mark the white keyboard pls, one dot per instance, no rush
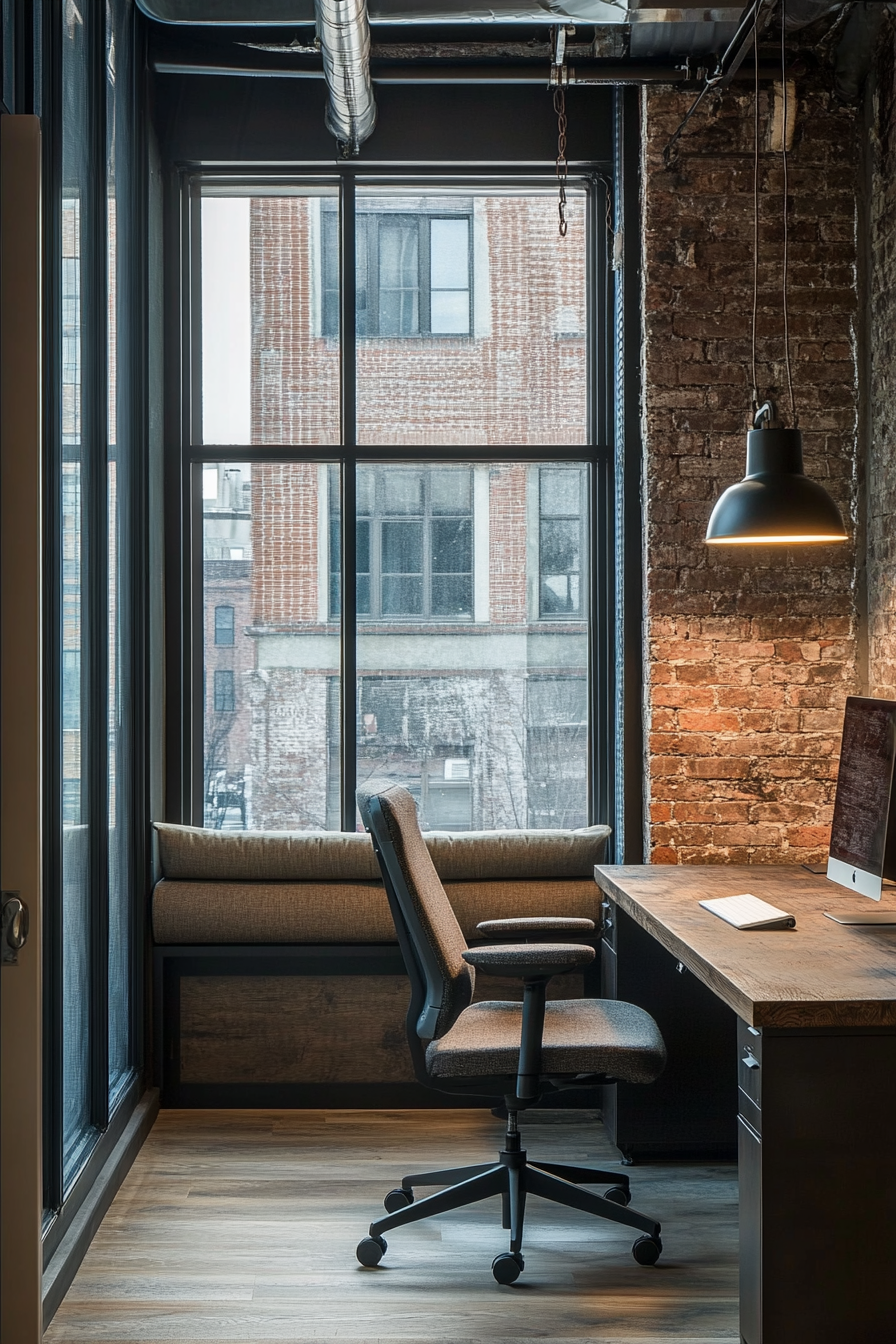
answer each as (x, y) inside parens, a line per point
(748, 912)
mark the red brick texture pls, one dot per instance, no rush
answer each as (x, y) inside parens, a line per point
(285, 543)
(750, 653)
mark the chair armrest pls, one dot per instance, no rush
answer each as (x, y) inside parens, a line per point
(530, 961)
(535, 924)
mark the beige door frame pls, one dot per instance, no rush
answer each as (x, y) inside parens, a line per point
(21, 680)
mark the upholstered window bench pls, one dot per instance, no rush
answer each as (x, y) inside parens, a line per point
(277, 977)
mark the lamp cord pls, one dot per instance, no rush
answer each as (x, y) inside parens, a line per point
(784, 260)
(755, 205)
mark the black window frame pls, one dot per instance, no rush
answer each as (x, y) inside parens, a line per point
(612, 453)
(370, 221)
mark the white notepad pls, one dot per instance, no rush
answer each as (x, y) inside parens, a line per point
(748, 912)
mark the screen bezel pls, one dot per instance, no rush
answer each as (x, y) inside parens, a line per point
(853, 876)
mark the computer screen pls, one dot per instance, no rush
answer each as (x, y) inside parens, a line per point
(860, 856)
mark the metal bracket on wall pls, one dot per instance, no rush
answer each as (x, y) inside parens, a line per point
(13, 928)
(748, 31)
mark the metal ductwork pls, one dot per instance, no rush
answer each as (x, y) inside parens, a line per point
(344, 34)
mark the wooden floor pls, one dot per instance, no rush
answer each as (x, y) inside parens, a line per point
(241, 1226)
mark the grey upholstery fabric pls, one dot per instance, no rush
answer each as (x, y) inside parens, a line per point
(482, 856)
(475, 901)
(432, 907)
(271, 912)
(213, 911)
(498, 928)
(524, 958)
(580, 1036)
(193, 854)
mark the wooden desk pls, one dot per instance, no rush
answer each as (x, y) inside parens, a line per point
(816, 1061)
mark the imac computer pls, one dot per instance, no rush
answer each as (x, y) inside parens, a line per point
(863, 834)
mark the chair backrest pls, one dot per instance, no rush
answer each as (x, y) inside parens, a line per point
(428, 932)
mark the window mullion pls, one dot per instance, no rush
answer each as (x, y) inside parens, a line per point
(348, 317)
(348, 633)
(96, 523)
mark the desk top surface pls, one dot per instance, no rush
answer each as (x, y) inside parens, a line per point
(819, 974)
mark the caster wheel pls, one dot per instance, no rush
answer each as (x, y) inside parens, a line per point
(371, 1251)
(618, 1195)
(647, 1250)
(508, 1267)
(396, 1200)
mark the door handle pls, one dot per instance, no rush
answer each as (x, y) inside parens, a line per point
(750, 1061)
(13, 928)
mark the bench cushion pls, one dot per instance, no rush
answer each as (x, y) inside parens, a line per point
(212, 912)
(193, 854)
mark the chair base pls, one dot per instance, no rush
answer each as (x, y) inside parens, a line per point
(513, 1177)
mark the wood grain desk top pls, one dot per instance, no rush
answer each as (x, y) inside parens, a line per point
(819, 974)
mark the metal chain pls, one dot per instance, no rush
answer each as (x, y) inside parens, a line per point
(562, 168)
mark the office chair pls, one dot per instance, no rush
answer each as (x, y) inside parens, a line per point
(494, 1049)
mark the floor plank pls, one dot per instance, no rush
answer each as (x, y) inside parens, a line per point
(240, 1226)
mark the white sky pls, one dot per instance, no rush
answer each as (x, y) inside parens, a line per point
(226, 320)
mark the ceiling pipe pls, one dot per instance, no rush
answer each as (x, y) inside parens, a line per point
(344, 34)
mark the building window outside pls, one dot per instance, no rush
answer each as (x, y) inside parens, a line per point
(224, 624)
(225, 697)
(556, 751)
(561, 541)
(414, 543)
(414, 273)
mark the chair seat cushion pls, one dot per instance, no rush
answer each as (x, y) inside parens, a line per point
(580, 1036)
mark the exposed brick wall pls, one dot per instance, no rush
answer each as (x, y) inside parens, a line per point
(881, 471)
(749, 653)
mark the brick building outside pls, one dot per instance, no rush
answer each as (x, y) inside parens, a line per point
(472, 601)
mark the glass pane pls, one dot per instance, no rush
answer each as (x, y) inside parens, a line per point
(270, 319)
(449, 254)
(402, 544)
(452, 595)
(482, 713)
(78, 1134)
(504, 301)
(560, 492)
(401, 491)
(271, 554)
(450, 490)
(452, 546)
(450, 311)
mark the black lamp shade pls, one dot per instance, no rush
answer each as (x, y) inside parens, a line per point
(775, 503)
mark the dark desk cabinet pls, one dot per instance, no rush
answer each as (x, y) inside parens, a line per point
(817, 1185)
(691, 1111)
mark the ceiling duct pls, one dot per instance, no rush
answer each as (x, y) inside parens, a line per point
(344, 34)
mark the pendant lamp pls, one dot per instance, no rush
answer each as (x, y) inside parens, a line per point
(775, 503)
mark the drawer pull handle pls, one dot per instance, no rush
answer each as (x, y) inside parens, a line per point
(750, 1061)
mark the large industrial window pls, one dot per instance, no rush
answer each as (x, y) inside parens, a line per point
(419, 609)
